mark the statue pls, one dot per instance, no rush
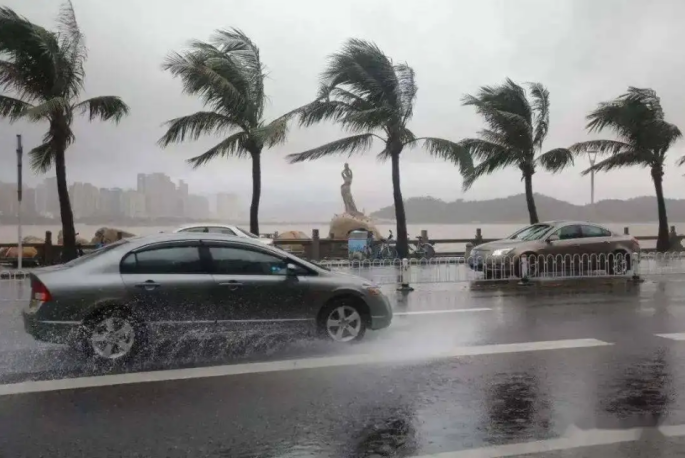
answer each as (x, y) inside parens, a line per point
(346, 191)
(352, 219)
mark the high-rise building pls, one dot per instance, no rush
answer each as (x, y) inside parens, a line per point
(198, 207)
(161, 196)
(47, 201)
(112, 203)
(227, 206)
(85, 199)
(134, 204)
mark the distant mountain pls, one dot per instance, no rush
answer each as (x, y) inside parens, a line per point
(513, 209)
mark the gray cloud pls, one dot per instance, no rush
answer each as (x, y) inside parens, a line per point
(584, 51)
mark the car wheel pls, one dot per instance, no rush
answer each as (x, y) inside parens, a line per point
(343, 321)
(113, 336)
(618, 263)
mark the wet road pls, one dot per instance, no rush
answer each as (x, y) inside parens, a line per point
(459, 374)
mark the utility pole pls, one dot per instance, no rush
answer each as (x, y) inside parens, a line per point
(20, 248)
(592, 155)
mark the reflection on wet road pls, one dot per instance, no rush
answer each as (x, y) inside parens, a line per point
(459, 374)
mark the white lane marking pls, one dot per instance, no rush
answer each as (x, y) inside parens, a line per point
(573, 438)
(673, 336)
(672, 430)
(293, 364)
(436, 312)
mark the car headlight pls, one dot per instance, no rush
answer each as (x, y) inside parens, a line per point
(373, 290)
(502, 251)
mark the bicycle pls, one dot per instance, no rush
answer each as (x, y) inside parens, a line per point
(381, 250)
(422, 250)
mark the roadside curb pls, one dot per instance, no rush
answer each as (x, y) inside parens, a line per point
(579, 285)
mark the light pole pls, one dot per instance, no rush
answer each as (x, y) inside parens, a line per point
(20, 248)
(592, 156)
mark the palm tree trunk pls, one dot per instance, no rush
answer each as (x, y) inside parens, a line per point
(256, 191)
(530, 199)
(67, 216)
(662, 241)
(400, 216)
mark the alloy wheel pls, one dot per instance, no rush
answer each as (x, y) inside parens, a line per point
(344, 324)
(112, 338)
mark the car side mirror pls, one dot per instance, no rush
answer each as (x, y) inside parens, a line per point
(552, 238)
(291, 270)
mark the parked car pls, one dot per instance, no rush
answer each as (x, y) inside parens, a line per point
(108, 300)
(224, 229)
(556, 247)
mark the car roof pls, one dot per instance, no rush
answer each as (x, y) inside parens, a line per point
(173, 236)
(565, 222)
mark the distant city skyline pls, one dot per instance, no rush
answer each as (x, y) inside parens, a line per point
(155, 195)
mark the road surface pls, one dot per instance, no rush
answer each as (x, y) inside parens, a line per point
(459, 374)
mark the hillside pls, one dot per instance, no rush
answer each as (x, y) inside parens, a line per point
(512, 209)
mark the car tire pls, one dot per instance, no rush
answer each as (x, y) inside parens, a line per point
(620, 257)
(343, 321)
(113, 336)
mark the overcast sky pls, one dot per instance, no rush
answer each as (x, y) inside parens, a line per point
(584, 51)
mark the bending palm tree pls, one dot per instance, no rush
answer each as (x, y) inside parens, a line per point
(365, 93)
(637, 119)
(228, 76)
(516, 130)
(44, 71)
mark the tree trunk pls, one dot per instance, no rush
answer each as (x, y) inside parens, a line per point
(67, 216)
(530, 199)
(256, 190)
(400, 216)
(662, 241)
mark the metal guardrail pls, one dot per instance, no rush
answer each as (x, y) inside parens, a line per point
(14, 285)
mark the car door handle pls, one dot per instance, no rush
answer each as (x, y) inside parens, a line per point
(148, 285)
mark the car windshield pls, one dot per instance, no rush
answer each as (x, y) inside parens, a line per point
(248, 233)
(95, 253)
(534, 232)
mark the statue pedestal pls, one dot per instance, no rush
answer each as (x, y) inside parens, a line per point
(342, 225)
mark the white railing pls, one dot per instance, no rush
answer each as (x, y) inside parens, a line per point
(14, 285)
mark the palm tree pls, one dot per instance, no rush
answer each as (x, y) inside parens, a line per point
(228, 76)
(516, 130)
(44, 71)
(644, 137)
(373, 99)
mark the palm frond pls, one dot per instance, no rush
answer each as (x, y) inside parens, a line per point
(540, 96)
(512, 126)
(556, 160)
(233, 146)
(12, 108)
(601, 146)
(41, 158)
(407, 89)
(324, 110)
(104, 107)
(680, 161)
(451, 152)
(73, 52)
(349, 145)
(497, 159)
(194, 126)
(484, 150)
(236, 44)
(628, 158)
(51, 108)
(273, 133)
(215, 79)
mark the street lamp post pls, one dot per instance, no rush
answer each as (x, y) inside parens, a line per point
(20, 248)
(592, 156)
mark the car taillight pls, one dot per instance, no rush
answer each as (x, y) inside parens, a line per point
(40, 292)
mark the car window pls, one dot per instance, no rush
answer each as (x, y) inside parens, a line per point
(239, 261)
(595, 231)
(95, 253)
(534, 232)
(221, 230)
(569, 232)
(195, 229)
(164, 260)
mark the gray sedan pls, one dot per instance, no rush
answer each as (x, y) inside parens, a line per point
(107, 302)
